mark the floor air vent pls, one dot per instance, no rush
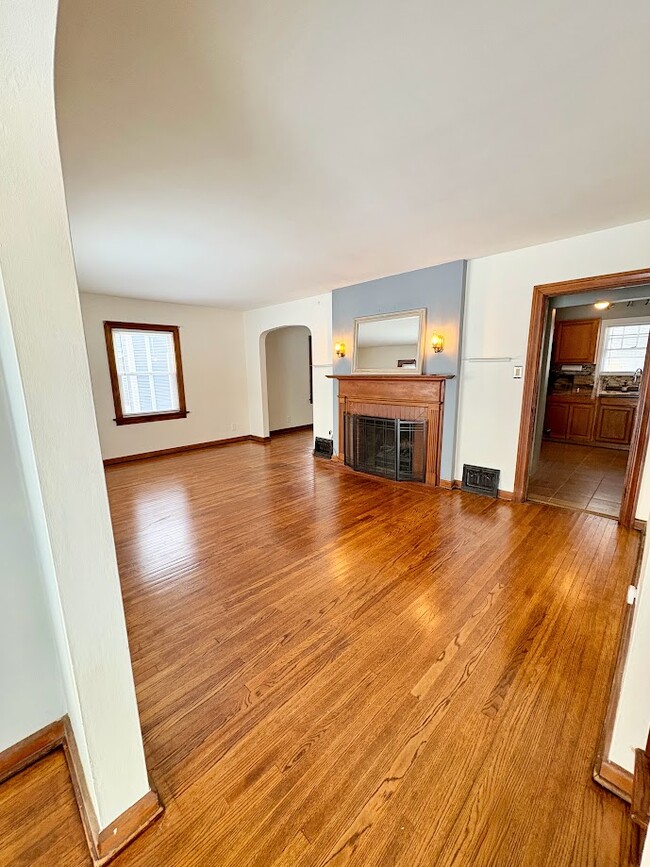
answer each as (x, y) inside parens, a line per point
(480, 480)
(323, 448)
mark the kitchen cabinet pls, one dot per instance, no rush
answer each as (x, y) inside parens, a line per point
(606, 421)
(556, 421)
(581, 422)
(569, 418)
(615, 420)
(575, 341)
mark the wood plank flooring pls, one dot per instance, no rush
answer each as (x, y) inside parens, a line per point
(336, 670)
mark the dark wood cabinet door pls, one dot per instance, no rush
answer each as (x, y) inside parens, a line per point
(614, 423)
(556, 421)
(575, 342)
(581, 422)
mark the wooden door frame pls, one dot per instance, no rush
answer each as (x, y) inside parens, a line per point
(542, 295)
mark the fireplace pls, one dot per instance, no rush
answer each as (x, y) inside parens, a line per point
(391, 425)
(390, 447)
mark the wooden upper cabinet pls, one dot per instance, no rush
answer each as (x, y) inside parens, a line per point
(575, 341)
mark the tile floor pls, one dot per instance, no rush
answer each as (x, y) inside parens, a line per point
(579, 477)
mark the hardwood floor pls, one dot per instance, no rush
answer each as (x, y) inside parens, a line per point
(333, 670)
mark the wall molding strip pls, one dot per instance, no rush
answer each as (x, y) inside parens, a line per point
(104, 844)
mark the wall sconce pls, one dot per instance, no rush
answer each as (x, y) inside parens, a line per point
(339, 348)
(437, 342)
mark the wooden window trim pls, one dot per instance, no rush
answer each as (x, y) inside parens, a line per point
(120, 418)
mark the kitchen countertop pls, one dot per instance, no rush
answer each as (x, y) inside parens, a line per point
(588, 395)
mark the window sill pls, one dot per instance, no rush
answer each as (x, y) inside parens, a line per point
(158, 416)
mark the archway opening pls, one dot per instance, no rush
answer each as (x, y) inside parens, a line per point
(289, 379)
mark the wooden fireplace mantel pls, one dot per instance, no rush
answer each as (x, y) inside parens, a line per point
(396, 396)
(398, 377)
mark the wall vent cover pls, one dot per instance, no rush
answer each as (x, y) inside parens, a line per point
(323, 448)
(480, 480)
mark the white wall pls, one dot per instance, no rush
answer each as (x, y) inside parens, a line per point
(632, 721)
(30, 675)
(316, 314)
(287, 377)
(497, 317)
(214, 374)
(48, 383)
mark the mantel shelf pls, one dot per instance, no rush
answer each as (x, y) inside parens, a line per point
(393, 377)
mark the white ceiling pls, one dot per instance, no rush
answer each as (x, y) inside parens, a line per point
(241, 153)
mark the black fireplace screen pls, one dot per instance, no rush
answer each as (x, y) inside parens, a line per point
(388, 447)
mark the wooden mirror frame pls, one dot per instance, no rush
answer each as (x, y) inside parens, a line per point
(421, 313)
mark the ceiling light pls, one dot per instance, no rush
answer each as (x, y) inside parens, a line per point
(602, 305)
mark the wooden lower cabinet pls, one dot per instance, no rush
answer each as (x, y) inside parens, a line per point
(556, 422)
(615, 421)
(566, 420)
(581, 422)
(605, 421)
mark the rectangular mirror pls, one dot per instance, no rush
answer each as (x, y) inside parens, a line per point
(389, 343)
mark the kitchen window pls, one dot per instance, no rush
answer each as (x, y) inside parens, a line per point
(624, 346)
(146, 372)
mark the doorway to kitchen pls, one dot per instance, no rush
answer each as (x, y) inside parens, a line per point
(584, 424)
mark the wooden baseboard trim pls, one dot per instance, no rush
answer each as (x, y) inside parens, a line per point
(286, 430)
(81, 793)
(177, 450)
(640, 525)
(23, 754)
(607, 773)
(103, 845)
(128, 826)
(614, 778)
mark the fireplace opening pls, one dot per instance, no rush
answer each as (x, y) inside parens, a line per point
(388, 447)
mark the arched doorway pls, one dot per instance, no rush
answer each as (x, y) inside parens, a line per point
(288, 375)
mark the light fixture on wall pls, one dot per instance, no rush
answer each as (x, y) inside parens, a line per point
(437, 342)
(339, 348)
(603, 305)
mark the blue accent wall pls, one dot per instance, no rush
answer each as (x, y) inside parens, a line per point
(441, 290)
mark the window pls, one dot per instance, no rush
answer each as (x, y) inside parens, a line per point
(624, 346)
(146, 371)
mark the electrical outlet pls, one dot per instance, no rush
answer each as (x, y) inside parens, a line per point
(517, 371)
(289, 418)
(233, 426)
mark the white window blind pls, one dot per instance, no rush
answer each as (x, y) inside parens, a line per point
(146, 370)
(624, 347)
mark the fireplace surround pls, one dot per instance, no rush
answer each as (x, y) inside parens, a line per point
(388, 447)
(399, 400)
